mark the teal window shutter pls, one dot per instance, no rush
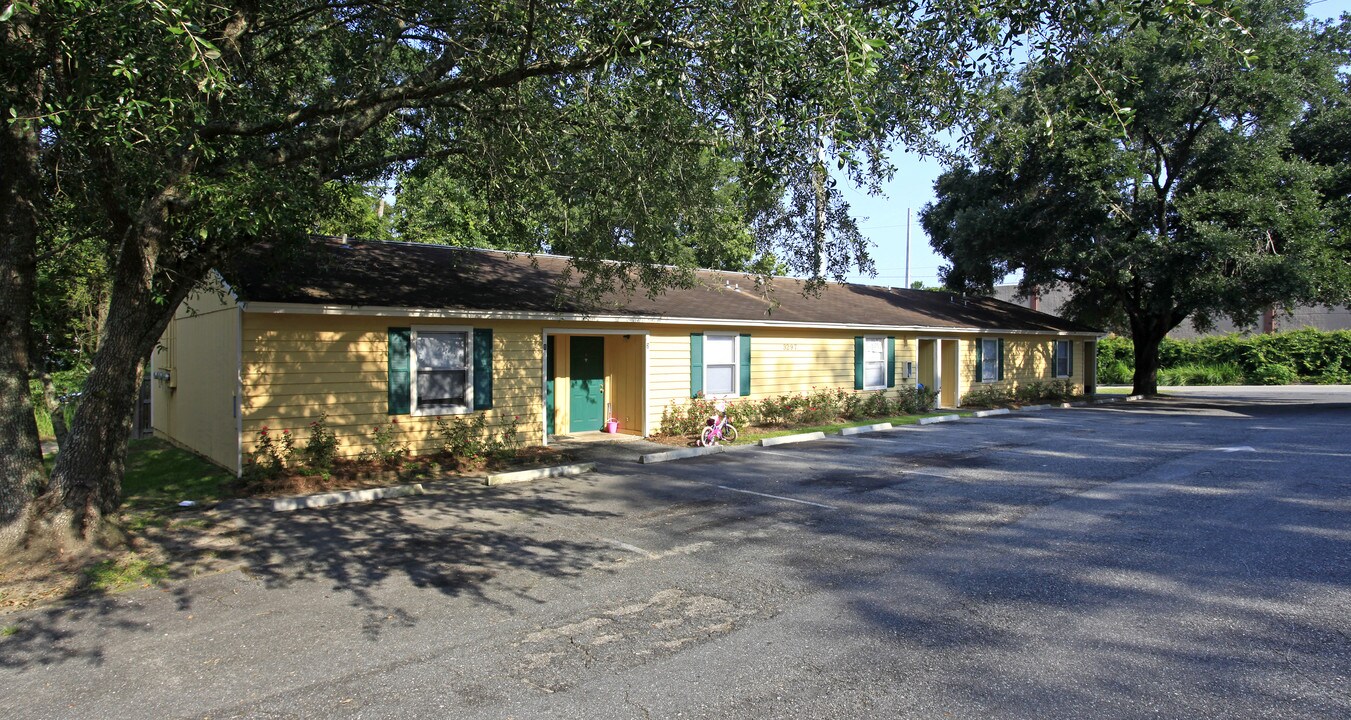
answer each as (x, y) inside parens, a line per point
(858, 362)
(400, 377)
(1001, 358)
(1055, 357)
(483, 369)
(696, 364)
(745, 345)
(980, 360)
(891, 361)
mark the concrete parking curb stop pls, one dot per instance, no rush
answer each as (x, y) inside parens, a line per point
(989, 413)
(304, 502)
(520, 476)
(680, 454)
(938, 419)
(1032, 408)
(786, 439)
(865, 428)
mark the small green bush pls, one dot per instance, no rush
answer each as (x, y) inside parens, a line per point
(915, 400)
(989, 396)
(1274, 375)
(386, 449)
(321, 449)
(271, 453)
(855, 406)
(471, 440)
(874, 405)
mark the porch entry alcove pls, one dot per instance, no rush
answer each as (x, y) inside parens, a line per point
(940, 368)
(591, 376)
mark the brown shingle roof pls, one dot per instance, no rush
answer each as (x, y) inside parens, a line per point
(412, 275)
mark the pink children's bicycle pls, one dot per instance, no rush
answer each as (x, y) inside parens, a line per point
(718, 429)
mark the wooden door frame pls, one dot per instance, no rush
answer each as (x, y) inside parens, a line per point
(544, 369)
(935, 360)
(956, 382)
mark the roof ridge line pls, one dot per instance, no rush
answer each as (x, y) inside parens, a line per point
(531, 253)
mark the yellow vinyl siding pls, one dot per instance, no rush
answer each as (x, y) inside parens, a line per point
(1026, 359)
(668, 371)
(783, 361)
(195, 407)
(299, 366)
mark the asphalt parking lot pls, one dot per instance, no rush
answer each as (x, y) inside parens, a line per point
(1181, 558)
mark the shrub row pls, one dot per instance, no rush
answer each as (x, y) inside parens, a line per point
(1031, 392)
(1298, 356)
(464, 443)
(819, 407)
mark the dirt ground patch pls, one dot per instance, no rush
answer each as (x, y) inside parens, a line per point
(167, 543)
(195, 542)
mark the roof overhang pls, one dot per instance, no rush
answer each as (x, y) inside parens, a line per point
(263, 308)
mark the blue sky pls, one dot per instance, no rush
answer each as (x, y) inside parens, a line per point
(912, 187)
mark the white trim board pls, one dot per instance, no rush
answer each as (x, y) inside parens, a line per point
(403, 312)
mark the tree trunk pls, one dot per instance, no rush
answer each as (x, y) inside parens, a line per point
(1147, 338)
(20, 452)
(20, 209)
(86, 484)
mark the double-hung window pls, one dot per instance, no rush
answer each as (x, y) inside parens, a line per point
(720, 365)
(874, 363)
(442, 363)
(1062, 358)
(989, 359)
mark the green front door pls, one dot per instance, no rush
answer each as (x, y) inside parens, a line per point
(587, 391)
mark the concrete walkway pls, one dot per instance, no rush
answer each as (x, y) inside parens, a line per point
(607, 451)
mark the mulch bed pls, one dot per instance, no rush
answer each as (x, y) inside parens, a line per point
(354, 475)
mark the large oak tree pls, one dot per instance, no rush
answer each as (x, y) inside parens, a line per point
(179, 133)
(1156, 179)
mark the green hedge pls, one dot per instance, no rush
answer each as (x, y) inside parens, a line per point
(1296, 356)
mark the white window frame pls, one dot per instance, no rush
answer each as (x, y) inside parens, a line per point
(867, 339)
(989, 360)
(736, 365)
(1062, 354)
(468, 406)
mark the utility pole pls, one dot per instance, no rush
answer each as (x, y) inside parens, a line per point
(907, 248)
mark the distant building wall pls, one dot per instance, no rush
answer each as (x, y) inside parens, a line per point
(1304, 316)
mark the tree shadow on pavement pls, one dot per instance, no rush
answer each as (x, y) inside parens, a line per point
(451, 542)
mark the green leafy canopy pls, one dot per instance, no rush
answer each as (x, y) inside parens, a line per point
(1156, 178)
